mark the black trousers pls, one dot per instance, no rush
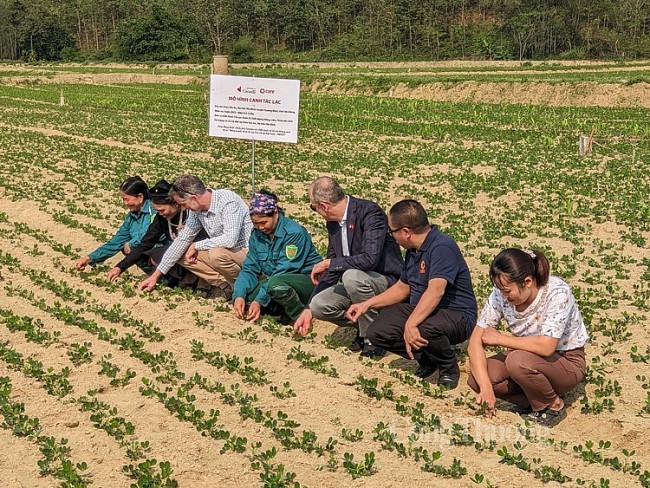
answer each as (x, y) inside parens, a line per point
(443, 328)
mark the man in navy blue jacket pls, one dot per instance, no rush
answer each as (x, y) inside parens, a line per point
(363, 260)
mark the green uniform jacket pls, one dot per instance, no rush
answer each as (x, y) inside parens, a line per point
(291, 251)
(132, 230)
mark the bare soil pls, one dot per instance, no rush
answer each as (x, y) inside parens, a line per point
(581, 94)
(322, 404)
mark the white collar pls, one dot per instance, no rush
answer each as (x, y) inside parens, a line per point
(345, 214)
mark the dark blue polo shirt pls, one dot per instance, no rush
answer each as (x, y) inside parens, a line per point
(440, 257)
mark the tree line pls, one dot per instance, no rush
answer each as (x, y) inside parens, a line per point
(321, 30)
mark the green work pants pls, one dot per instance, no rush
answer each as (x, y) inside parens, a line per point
(289, 292)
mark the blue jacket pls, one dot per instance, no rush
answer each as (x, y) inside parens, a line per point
(132, 230)
(291, 251)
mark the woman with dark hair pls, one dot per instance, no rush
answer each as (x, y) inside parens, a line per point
(135, 196)
(275, 276)
(163, 230)
(544, 356)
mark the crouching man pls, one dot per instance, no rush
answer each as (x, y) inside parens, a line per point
(218, 258)
(441, 306)
(362, 261)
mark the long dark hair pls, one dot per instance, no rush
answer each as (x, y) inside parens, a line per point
(514, 265)
(135, 186)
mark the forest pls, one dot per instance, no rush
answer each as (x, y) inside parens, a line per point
(322, 30)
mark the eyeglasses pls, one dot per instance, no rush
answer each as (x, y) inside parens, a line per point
(314, 208)
(179, 189)
(392, 231)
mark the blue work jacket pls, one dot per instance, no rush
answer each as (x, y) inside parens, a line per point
(290, 251)
(132, 230)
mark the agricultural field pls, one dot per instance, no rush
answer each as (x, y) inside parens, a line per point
(103, 386)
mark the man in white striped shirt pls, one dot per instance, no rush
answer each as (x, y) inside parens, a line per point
(224, 216)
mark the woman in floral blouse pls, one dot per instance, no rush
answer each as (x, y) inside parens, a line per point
(544, 352)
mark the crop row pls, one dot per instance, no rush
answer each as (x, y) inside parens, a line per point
(172, 373)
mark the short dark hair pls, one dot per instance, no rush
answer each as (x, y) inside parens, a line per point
(135, 186)
(515, 265)
(410, 214)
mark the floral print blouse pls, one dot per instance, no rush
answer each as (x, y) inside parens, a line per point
(553, 313)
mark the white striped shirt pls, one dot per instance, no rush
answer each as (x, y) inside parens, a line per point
(226, 222)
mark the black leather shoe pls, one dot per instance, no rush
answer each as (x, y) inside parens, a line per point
(426, 367)
(424, 371)
(357, 344)
(374, 352)
(449, 381)
(546, 417)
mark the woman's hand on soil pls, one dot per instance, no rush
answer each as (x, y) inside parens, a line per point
(254, 310)
(114, 273)
(81, 263)
(239, 305)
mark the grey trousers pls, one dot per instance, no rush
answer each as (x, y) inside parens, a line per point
(355, 286)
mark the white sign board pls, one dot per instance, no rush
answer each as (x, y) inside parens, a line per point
(259, 109)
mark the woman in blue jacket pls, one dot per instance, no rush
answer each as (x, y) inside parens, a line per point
(135, 196)
(275, 277)
(168, 222)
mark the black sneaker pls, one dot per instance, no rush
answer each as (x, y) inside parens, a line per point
(546, 417)
(284, 319)
(357, 344)
(449, 378)
(221, 290)
(370, 351)
(521, 410)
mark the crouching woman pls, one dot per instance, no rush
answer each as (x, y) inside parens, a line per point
(135, 196)
(166, 225)
(275, 277)
(544, 353)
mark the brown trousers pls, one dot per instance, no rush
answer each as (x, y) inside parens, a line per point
(524, 378)
(217, 264)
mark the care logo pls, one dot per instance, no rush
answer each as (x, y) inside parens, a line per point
(291, 251)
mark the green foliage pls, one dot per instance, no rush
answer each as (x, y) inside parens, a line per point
(147, 475)
(80, 353)
(49, 42)
(351, 436)
(169, 30)
(308, 360)
(362, 468)
(158, 36)
(242, 50)
(56, 453)
(370, 140)
(370, 388)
